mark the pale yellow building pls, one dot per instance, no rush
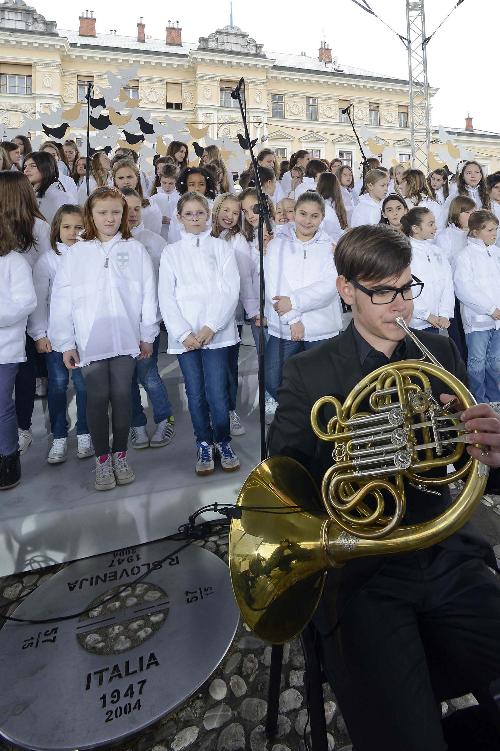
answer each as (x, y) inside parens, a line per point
(294, 101)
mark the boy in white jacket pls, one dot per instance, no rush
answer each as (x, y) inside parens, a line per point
(17, 300)
(368, 209)
(477, 285)
(433, 309)
(198, 293)
(104, 314)
(302, 302)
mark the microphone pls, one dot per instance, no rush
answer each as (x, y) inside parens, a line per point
(235, 94)
(344, 111)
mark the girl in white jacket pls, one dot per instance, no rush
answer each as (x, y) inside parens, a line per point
(146, 371)
(20, 215)
(41, 170)
(302, 302)
(165, 196)
(470, 182)
(198, 294)
(226, 224)
(66, 228)
(433, 309)
(349, 196)
(438, 185)
(393, 209)
(17, 300)
(335, 221)
(493, 182)
(368, 209)
(104, 314)
(415, 191)
(477, 284)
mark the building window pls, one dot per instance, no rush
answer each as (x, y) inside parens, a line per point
(281, 153)
(278, 106)
(374, 115)
(225, 96)
(311, 108)
(343, 116)
(404, 158)
(174, 96)
(403, 117)
(132, 90)
(82, 87)
(11, 83)
(346, 157)
(315, 153)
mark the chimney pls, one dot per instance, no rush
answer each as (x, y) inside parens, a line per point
(87, 24)
(174, 34)
(141, 30)
(468, 123)
(325, 53)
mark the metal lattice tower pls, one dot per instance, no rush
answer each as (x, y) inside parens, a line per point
(419, 104)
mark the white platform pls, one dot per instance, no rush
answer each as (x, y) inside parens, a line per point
(55, 515)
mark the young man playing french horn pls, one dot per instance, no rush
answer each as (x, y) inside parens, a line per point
(398, 633)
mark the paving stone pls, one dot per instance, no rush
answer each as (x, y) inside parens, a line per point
(330, 709)
(258, 739)
(232, 738)
(296, 678)
(13, 591)
(250, 666)
(249, 642)
(237, 685)
(233, 663)
(217, 716)
(280, 747)
(300, 722)
(253, 710)
(217, 689)
(185, 738)
(284, 726)
(463, 702)
(331, 741)
(290, 699)
(266, 657)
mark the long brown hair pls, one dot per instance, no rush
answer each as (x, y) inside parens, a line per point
(172, 150)
(479, 219)
(328, 186)
(247, 230)
(446, 187)
(55, 226)
(19, 211)
(482, 187)
(269, 152)
(99, 174)
(103, 194)
(58, 147)
(129, 164)
(457, 206)
(417, 189)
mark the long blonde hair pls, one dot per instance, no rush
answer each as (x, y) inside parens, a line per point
(216, 208)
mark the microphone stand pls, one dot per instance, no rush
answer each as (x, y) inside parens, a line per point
(264, 219)
(364, 161)
(88, 97)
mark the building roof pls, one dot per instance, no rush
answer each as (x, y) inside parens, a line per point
(119, 41)
(308, 63)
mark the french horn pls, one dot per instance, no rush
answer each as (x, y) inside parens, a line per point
(281, 546)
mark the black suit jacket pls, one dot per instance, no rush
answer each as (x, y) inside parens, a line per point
(334, 369)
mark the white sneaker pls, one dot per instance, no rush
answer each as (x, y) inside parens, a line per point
(25, 439)
(41, 387)
(236, 428)
(85, 446)
(58, 451)
(139, 437)
(164, 433)
(270, 409)
(205, 464)
(104, 475)
(123, 473)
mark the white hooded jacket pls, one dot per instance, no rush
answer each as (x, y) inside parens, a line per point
(44, 273)
(305, 272)
(366, 211)
(17, 300)
(199, 286)
(41, 233)
(452, 240)
(104, 300)
(477, 285)
(437, 297)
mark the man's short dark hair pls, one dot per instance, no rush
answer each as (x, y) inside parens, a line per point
(372, 253)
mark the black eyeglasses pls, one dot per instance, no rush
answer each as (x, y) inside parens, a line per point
(385, 295)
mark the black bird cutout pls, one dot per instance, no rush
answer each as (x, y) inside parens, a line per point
(132, 138)
(198, 150)
(57, 132)
(144, 126)
(244, 142)
(100, 123)
(100, 102)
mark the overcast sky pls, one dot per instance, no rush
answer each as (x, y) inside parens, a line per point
(461, 55)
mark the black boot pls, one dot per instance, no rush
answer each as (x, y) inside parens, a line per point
(10, 471)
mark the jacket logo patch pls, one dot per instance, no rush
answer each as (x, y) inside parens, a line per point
(122, 259)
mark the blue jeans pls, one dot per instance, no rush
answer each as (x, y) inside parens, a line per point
(483, 364)
(8, 422)
(58, 375)
(205, 379)
(232, 372)
(277, 351)
(146, 373)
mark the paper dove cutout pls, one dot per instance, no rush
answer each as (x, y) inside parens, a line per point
(58, 133)
(145, 126)
(127, 101)
(117, 119)
(434, 162)
(198, 132)
(73, 112)
(125, 145)
(161, 147)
